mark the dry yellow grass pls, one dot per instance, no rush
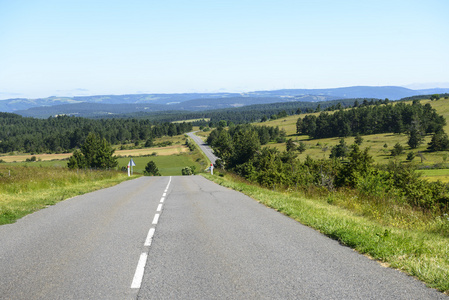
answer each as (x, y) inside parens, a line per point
(192, 120)
(43, 157)
(170, 150)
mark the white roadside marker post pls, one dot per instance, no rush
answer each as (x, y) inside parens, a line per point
(131, 164)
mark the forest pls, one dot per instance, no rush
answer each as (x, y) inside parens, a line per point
(64, 133)
(363, 120)
(250, 113)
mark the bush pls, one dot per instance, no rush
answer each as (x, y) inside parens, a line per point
(398, 149)
(151, 169)
(149, 142)
(410, 156)
(186, 171)
(190, 144)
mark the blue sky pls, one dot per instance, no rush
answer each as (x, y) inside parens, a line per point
(79, 47)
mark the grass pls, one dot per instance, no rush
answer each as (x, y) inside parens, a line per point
(289, 123)
(170, 160)
(442, 108)
(167, 165)
(41, 157)
(24, 190)
(192, 120)
(320, 148)
(419, 253)
(170, 150)
(436, 174)
(59, 160)
(26, 187)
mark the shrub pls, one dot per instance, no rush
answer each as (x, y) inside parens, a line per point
(151, 169)
(187, 171)
(410, 156)
(398, 149)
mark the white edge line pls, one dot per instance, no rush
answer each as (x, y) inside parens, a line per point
(149, 237)
(155, 219)
(138, 276)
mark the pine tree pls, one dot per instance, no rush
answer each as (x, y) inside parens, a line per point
(340, 150)
(96, 153)
(415, 135)
(439, 142)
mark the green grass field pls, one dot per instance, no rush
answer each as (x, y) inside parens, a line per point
(436, 174)
(168, 165)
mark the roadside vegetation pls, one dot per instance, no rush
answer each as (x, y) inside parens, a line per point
(364, 188)
(33, 184)
(376, 202)
(413, 246)
(24, 190)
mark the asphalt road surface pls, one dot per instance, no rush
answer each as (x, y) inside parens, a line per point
(183, 238)
(203, 146)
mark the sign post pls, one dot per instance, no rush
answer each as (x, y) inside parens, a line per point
(211, 169)
(131, 164)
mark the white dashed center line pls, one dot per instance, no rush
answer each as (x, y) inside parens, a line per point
(156, 219)
(149, 237)
(138, 275)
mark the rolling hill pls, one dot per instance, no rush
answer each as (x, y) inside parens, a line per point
(102, 105)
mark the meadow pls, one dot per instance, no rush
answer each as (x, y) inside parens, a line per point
(168, 165)
(380, 145)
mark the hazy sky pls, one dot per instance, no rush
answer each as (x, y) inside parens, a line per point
(85, 47)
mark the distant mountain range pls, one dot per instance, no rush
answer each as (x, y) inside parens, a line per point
(89, 106)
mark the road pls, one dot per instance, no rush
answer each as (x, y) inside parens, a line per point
(86, 247)
(203, 146)
(183, 238)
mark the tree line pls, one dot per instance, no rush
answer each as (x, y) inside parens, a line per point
(249, 113)
(397, 118)
(65, 133)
